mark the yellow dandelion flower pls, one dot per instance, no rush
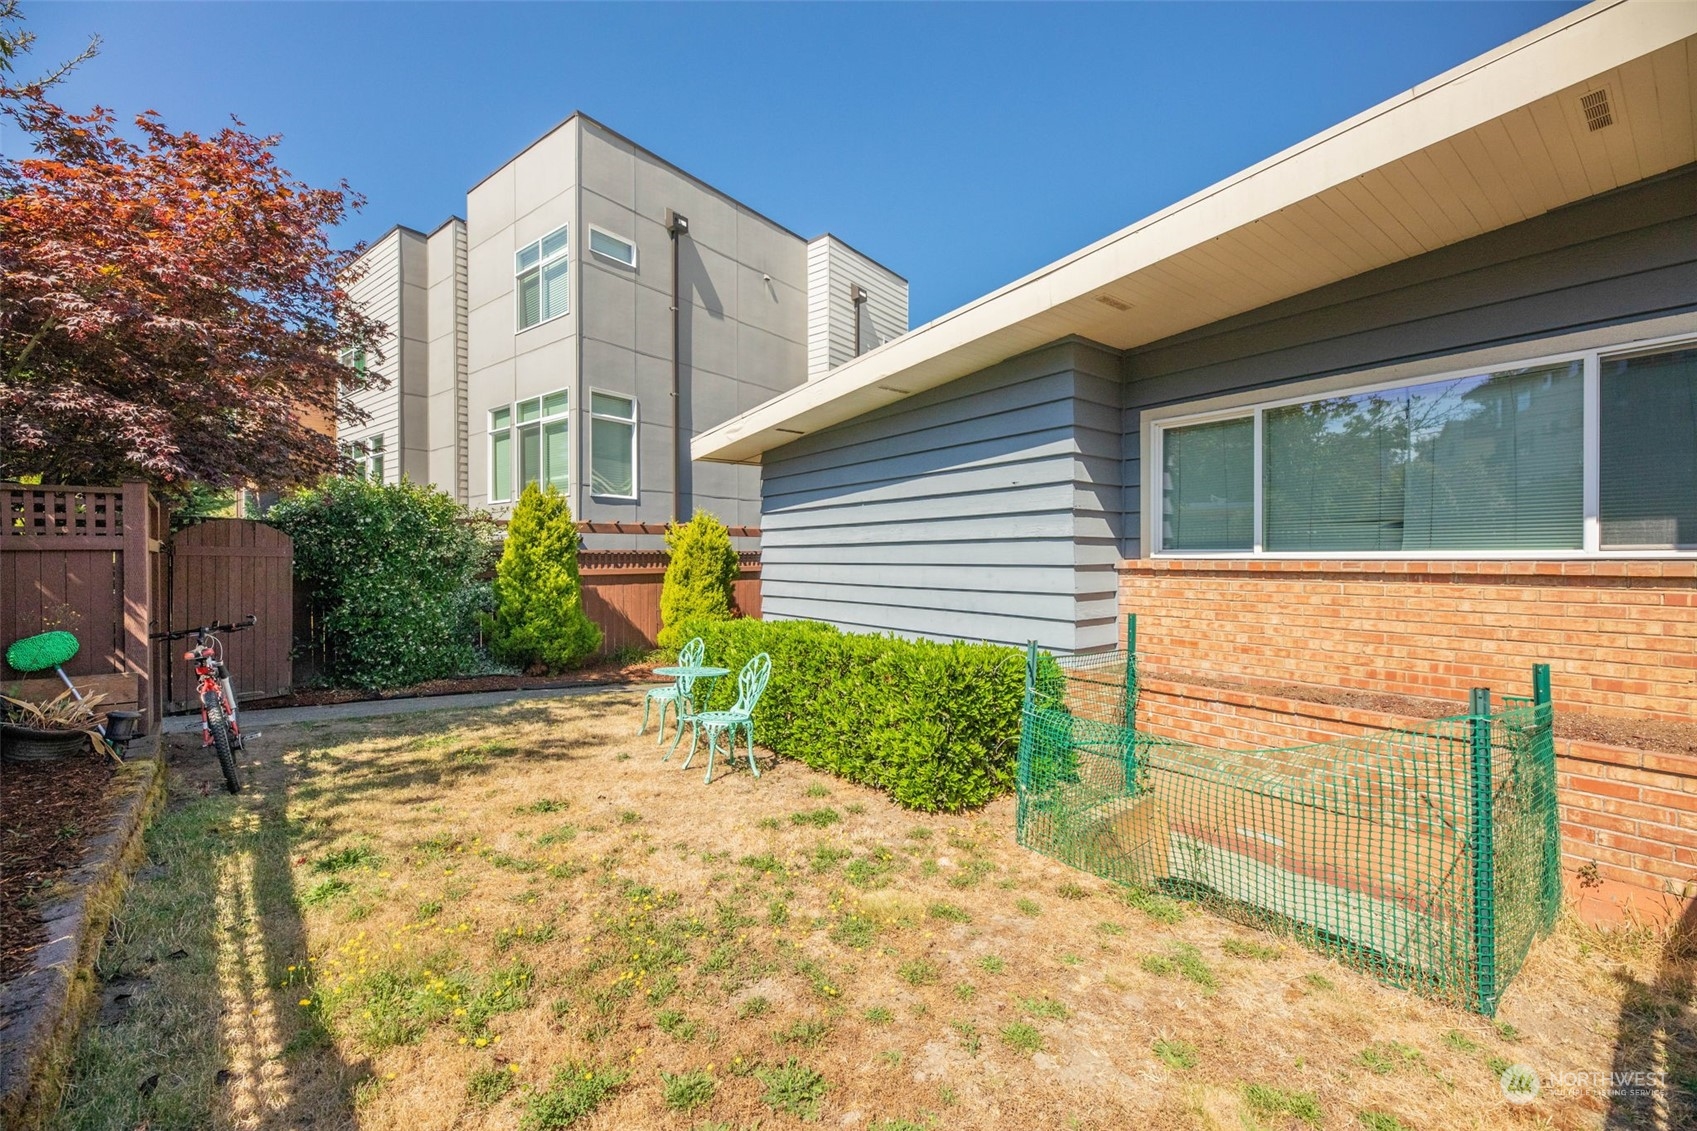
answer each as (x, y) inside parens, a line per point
(306, 1001)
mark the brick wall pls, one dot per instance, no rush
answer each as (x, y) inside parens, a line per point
(1620, 637)
(1628, 817)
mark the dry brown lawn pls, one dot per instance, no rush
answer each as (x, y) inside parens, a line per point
(522, 917)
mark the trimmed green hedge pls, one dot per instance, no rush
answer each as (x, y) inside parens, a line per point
(935, 726)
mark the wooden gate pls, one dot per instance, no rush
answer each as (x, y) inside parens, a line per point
(222, 570)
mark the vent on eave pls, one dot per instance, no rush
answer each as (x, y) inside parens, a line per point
(1596, 108)
(1110, 300)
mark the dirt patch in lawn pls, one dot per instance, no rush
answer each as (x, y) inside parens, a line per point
(597, 673)
(47, 812)
(1660, 735)
(522, 917)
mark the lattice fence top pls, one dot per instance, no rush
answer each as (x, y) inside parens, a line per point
(88, 512)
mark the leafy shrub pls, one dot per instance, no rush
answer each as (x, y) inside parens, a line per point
(539, 619)
(388, 567)
(700, 579)
(934, 725)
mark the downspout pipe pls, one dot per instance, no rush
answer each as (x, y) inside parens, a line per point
(677, 227)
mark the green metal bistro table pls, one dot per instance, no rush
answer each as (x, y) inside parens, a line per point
(681, 673)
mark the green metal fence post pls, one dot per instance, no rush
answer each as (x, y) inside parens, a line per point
(1544, 718)
(1484, 856)
(1131, 669)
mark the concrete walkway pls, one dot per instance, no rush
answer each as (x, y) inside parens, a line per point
(371, 708)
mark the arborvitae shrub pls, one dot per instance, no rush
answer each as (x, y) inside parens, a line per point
(539, 620)
(934, 725)
(388, 570)
(700, 577)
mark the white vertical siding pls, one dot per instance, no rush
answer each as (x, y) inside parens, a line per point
(377, 292)
(833, 268)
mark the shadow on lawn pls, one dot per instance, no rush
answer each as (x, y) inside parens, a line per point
(1653, 1081)
(198, 1025)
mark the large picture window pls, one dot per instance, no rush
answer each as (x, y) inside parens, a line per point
(1486, 462)
(612, 441)
(542, 272)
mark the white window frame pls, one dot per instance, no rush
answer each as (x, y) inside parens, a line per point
(365, 456)
(1156, 422)
(489, 433)
(515, 430)
(635, 422)
(539, 267)
(595, 229)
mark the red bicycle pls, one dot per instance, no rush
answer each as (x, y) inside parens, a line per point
(218, 726)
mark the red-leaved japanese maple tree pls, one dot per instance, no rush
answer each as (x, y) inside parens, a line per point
(171, 308)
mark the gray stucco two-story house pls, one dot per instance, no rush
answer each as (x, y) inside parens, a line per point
(535, 340)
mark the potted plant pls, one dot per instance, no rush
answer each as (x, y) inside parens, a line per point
(39, 732)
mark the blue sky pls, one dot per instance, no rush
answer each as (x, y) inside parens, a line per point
(961, 144)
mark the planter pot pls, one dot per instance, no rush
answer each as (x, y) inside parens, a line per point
(26, 744)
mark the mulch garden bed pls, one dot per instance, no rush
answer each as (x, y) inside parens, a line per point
(594, 674)
(1659, 735)
(48, 810)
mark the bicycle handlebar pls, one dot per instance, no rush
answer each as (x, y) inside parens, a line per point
(246, 622)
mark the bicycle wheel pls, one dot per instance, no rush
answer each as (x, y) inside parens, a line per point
(220, 728)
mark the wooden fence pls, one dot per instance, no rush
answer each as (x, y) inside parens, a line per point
(101, 563)
(621, 593)
(85, 560)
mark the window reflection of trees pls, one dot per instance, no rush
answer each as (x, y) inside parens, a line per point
(1480, 462)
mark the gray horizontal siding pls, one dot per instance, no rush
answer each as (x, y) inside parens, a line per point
(1621, 257)
(985, 509)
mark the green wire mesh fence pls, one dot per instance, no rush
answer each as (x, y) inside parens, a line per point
(1426, 856)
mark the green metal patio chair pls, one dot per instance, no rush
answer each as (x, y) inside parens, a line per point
(751, 683)
(691, 655)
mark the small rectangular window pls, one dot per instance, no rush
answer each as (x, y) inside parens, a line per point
(556, 464)
(1648, 426)
(542, 269)
(530, 410)
(500, 456)
(1208, 486)
(612, 442)
(530, 455)
(609, 246)
(367, 456)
